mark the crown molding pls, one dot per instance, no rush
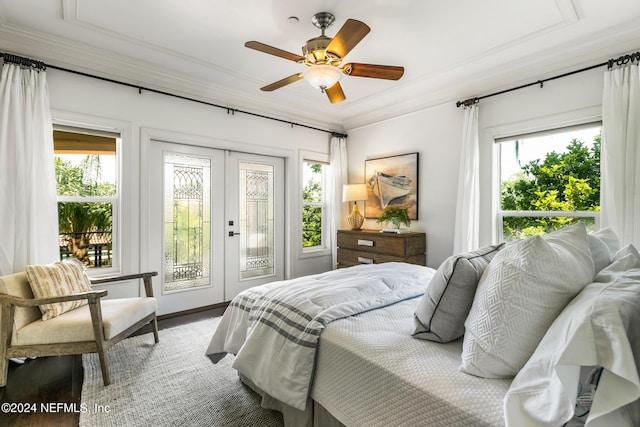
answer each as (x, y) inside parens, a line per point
(77, 57)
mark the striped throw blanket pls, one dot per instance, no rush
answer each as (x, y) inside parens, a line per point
(274, 329)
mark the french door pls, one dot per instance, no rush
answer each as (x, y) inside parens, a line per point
(216, 222)
(255, 221)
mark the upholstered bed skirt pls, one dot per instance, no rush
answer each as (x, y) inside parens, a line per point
(314, 416)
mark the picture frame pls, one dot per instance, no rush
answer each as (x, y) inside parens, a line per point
(391, 181)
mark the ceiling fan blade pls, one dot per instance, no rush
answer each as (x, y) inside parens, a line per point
(388, 72)
(335, 93)
(281, 83)
(349, 35)
(274, 51)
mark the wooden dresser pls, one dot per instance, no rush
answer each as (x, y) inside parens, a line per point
(374, 247)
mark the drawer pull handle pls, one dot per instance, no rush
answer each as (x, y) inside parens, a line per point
(365, 242)
(363, 260)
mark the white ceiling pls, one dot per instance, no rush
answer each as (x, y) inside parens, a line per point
(451, 49)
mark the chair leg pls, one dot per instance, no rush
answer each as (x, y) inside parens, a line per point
(154, 326)
(6, 321)
(4, 370)
(95, 309)
(102, 355)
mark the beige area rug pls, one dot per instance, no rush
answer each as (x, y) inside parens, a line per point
(171, 383)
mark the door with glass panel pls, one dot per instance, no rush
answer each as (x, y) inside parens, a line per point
(255, 221)
(203, 244)
(186, 226)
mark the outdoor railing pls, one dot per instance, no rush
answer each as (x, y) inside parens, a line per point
(98, 252)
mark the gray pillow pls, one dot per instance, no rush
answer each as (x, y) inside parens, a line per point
(441, 312)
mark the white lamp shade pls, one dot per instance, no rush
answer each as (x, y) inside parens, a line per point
(322, 76)
(354, 192)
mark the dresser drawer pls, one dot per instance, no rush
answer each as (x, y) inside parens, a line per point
(349, 257)
(398, 245)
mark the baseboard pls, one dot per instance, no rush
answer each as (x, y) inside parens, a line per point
(193, 310)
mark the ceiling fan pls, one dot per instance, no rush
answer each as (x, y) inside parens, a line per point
(323, 57)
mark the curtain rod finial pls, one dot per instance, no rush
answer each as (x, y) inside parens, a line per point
(468, 102)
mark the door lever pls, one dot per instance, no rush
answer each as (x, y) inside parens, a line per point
(233, 233)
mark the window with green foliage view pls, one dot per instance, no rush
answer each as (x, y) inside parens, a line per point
(312, 204)
(549, 179)
(85, 167)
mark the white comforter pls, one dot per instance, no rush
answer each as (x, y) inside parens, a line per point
(274, 329)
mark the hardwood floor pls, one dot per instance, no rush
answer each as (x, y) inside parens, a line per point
(46, 391)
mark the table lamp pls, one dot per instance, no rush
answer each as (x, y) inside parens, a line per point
(353, 193)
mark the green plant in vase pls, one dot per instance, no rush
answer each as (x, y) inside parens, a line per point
(395, 216)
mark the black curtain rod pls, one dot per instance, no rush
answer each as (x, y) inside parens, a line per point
(610, 63)
(42, 66)
(24, 62)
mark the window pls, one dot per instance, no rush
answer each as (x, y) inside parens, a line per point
(313, 205)
(547, 180)
(86, 177)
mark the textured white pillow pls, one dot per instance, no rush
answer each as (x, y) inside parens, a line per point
(521, 292)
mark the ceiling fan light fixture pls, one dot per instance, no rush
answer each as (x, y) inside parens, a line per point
(322, 76)
(315, 57)
(315, 51)
(323, 57)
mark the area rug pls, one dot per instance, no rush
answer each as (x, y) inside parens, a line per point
(171, 383)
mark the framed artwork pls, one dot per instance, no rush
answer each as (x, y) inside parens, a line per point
(391, 181)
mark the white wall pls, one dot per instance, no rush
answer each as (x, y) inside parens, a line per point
(98, 102)
(436, 134)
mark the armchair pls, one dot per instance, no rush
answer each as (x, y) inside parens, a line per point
(91, 328)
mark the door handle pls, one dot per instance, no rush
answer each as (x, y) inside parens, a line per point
(233, 233)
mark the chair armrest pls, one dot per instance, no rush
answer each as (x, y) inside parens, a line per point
(146, 278)
(92, 296)
(122, 278)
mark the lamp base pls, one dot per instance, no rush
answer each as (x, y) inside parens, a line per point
(356, 219)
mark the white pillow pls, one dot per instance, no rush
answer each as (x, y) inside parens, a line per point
(521, 292)
(597, 328)
(604, 244)
(627, 251)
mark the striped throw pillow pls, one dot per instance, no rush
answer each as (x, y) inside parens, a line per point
(58, 279)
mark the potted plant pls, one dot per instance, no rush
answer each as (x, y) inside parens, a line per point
(396, 216)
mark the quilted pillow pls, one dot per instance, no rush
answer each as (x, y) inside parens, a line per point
(58, 279)
(522, 291)
(441, 312)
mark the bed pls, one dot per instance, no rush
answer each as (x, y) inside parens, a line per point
(360, 364)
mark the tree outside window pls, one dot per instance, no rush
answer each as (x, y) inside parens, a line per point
(87, 195)
(312, 204)
(556, 182)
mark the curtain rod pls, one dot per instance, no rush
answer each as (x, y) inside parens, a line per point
(42, 66)
(624, 59)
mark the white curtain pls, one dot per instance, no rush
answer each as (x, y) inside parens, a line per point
(337, 178)
(28, 208)
(620, 153)
(467, 221)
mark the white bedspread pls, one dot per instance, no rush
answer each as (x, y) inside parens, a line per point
(372, 373)
(274, 329)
